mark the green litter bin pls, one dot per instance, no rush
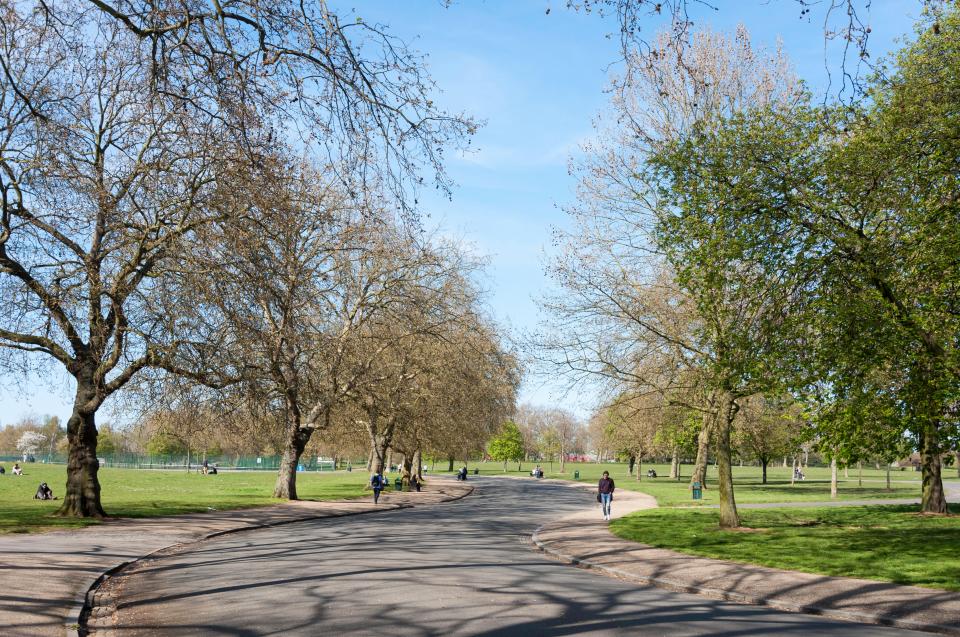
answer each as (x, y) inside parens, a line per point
(576, 475)
(697, 491)
(398, 484)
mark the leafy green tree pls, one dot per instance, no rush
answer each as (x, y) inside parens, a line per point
(507, 445)
(860, 205)
(767, 428)
(165, 444)
(108, 442)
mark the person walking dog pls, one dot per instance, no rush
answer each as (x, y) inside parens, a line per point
(605, 490)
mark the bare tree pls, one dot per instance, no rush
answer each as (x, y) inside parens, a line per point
(635, 312)
(356, 96)
(101, 187)
(437, 305)
(844, 25)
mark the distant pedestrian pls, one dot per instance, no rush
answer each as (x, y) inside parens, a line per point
(605, 490)
(376, 482)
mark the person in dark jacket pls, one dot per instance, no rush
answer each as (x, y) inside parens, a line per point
(376, 482)
(605, 488)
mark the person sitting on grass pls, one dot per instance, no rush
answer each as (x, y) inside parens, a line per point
(17, 471)
(44, 492)
(2, 470)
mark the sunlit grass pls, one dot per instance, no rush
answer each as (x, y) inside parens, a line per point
(747, 482)
(145, 493)
(887, 543)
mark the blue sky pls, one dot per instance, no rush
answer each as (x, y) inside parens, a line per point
(537, 80)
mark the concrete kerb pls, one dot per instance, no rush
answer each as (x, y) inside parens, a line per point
(721, 594)
(84, 602)
(730, 596)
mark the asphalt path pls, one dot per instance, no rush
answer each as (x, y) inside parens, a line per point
(460, 568)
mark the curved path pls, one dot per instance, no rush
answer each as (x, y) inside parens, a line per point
(463, 568)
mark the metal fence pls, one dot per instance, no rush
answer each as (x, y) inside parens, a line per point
(182, 461)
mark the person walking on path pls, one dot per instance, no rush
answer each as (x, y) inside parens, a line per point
(605, 491)
(376, 481)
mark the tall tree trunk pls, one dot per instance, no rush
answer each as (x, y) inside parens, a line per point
(793, 471)
(675, 463)
(380, 444)
(563, 461)
(380, 432)
(187, 463)
(956, 461)
(406, 470)
(763, 462)
(286, 486)
(860, 473)
(418, 465)
(833, 477)
(633, 463)
(933, 499)
(729, 517)
(450, 465)
(389, 460)
(82, 495)
(370, 457)
(703, 441)
(639, 465)
(889, 488)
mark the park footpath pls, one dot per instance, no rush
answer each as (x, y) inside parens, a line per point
(48, 577)
(584, 539)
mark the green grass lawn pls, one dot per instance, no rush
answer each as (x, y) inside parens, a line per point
(145, 493)
(887, 543)
(747, 482)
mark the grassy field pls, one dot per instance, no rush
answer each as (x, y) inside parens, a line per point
(142, 493)
(747, 482)
(887, 543)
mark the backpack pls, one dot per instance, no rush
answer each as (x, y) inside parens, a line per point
(375, 481)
